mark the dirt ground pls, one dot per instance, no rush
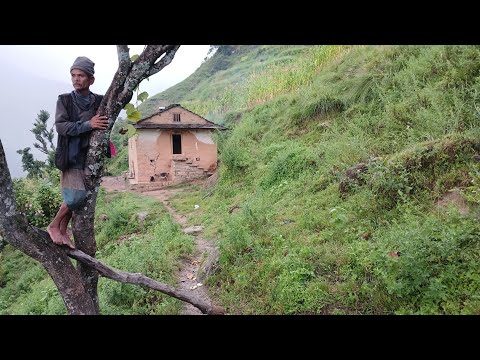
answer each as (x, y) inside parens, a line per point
(187, 275)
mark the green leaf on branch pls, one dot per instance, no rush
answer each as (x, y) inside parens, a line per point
(134, 57)
(134, 116)
(129, 108)
(143, 96)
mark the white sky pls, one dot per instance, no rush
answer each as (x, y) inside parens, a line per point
(53, 62)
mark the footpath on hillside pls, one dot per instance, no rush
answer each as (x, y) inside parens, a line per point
(190, 277)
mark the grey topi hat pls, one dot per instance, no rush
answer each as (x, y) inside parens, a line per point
(85, 64)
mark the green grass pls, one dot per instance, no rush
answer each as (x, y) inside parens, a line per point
(291, 242)
(230, 68)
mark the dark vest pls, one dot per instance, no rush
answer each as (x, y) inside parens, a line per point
(68, 153)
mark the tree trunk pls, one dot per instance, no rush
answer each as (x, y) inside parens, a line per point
(38, 245)
(126, 79)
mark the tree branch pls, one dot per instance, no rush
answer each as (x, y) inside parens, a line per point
(123, 54)
(142, 280)
(167, 59)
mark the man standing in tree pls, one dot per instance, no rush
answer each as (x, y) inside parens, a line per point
(75, 118)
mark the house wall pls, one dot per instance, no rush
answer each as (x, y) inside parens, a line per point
(151, 154)
(132, 160)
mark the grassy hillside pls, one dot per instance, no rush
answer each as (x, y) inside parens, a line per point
(349, 183)
(355, 190)
(214, 87)
(228, 69)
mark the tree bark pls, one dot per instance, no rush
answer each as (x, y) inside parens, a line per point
(142, 280)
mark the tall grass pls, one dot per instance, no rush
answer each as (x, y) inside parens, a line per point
(250, 76)
(269, 82)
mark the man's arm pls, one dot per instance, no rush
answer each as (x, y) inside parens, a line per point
(66, 127)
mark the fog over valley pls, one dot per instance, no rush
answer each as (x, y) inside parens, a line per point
(22, 97)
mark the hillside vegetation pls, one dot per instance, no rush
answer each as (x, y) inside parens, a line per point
(354, 190)
(224, 81)
(349, 183)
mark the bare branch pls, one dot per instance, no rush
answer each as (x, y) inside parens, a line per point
(142, 280)
(167, 59)
(142, 67)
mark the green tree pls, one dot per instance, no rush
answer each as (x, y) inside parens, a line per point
(32, 167)
(44, 136)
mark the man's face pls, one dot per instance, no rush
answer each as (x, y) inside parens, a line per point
(81, 80)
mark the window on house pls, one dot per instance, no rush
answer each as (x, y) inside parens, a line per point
(177, 144)
(176, 117)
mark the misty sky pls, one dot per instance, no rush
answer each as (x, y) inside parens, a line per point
(34, 75)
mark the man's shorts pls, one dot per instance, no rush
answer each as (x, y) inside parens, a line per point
(72, 182)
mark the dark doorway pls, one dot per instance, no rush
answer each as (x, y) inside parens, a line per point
(177, 144)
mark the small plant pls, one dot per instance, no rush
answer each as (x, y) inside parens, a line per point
(338, 215)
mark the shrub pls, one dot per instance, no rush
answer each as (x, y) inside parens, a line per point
(38, 199)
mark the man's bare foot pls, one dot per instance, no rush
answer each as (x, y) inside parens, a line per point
(55, 235)
(67, 241)
(59, 238)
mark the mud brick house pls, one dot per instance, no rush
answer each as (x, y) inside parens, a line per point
(172, 146)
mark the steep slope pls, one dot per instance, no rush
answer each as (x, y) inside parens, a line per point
(349, 182)
(356, 191)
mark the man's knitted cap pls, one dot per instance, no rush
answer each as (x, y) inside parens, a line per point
(85, 64)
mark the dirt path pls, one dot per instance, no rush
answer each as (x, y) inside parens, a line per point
(188, 275)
